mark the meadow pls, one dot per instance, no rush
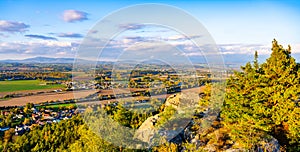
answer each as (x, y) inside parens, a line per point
(20, 85)
(57, 106)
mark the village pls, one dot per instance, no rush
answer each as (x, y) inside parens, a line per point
(26, 118)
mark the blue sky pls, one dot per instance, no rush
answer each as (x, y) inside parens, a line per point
(56, 28)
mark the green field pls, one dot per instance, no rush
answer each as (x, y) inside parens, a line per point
(19, 85)
(59, 105)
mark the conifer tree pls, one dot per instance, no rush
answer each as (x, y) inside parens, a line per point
(261, 101)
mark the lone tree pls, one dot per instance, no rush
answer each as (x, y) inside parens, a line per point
(262, 101)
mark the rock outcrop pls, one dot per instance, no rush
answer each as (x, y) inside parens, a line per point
(174, 129)
(147, 130)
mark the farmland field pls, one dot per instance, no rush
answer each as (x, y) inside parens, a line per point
(59, 105)
(18, 85)
(40, 98)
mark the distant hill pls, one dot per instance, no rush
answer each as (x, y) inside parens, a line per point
(231, 60)
(44, 60)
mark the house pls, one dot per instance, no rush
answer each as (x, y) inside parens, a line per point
(6, 113)
(41, 123)
(46, 115)
(59, 90)
(48, 110)
(35, 116)
(19, 116)
(19, 130)
(56, 120)
(48, 118)
(34, 110)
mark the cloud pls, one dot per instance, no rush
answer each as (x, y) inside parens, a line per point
(153, 46)
(244, 48)
(12, 26)
(3, 35)
(181, 37)
(133, 39)
(41, 37)
(193, 54)
(39, 48)
(74, 16)
(93, 31)
(227, 49)
(70, 35)
(132, 26)
(134, 43)
(176, 37)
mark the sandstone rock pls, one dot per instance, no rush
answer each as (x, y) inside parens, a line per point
(147, 130)
(175, 130)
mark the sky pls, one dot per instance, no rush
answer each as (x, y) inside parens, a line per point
(57, 28)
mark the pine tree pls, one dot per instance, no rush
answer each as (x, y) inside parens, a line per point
(260, 100)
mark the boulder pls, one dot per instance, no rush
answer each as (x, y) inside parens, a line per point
(147, 130)
(174, 131)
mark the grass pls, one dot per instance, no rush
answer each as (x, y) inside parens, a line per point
(77, 74)
(143, 107)
(59, 105)
(20, 85)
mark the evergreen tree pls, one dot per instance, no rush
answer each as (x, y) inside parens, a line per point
(261, 100)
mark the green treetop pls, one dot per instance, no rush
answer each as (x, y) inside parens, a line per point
(261, 100)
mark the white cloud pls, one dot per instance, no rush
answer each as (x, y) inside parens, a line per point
(177, 37)
(3, 35)
(132, 26)
(181, 37)
(61, 53)
(189, 48)
(12, 26)
(37, 48)
(154, 46)
(295, 48)
(74, 15)
(245, 49)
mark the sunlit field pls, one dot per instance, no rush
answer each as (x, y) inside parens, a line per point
(19, 85)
